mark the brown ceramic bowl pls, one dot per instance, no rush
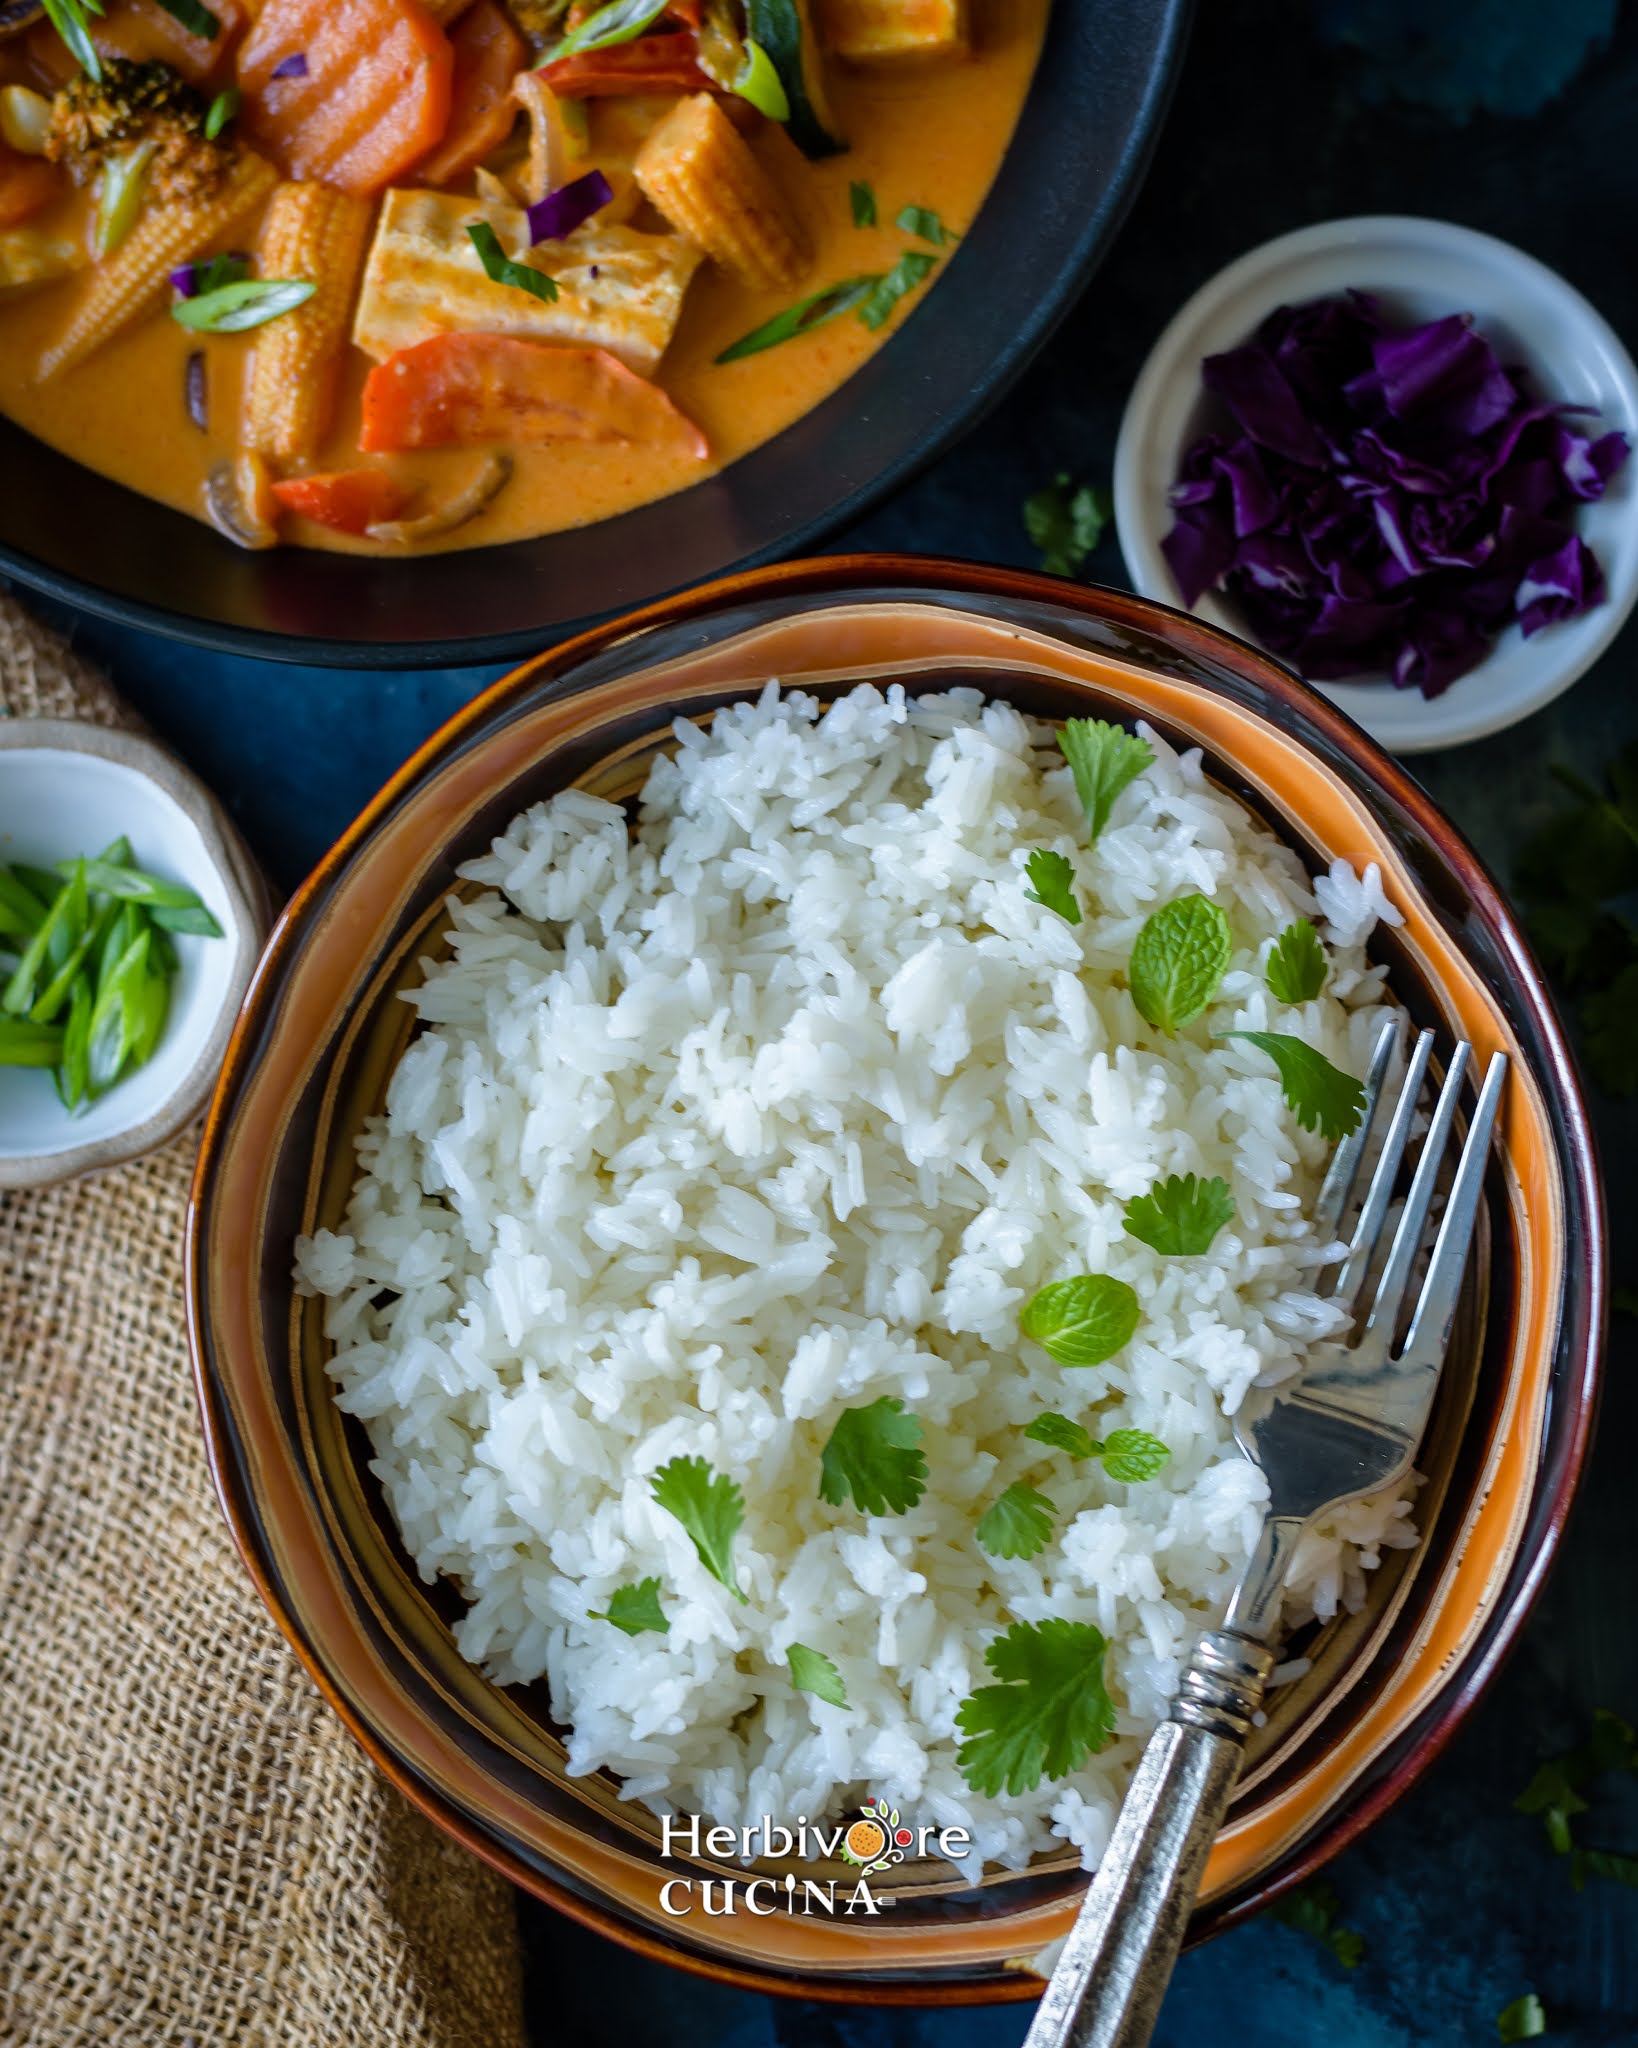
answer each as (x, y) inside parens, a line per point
(321, 1031)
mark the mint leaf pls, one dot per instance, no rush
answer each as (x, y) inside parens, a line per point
(1063, 1435)
(1132, 1455)
(1064, 524)
(636, 1608)
(709, 1507)
(1523, 2020)
(1104, 760)
(1018, 1524)
(1320, 1096)
(1296, 965)
(872, 1455)
(1178, 959)
(1051, 1711)
(1181, 1216)
(812, 1671)
(1054, 880)
(862, 198)
(1081, 1321)
(1312, 1909)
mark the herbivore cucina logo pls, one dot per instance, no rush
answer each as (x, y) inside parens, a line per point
(874, 1841)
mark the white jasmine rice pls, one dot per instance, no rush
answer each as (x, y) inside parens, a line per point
(790, 1099)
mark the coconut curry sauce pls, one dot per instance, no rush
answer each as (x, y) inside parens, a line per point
(487, 411)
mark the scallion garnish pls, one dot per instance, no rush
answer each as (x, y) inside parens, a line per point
(899, 282)
(223, 109)
(209, 274)
(758, 83)
(68, 18)
(196, 18)
(499, 266)
(231, 308)
(621, 21)
(805, 315)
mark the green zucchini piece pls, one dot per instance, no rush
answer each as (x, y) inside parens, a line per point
(784, 28)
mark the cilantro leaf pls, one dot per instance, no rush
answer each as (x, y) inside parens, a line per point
(1181, 1216)
(1312, 1909)
(1321, 1097)
(1054, 880)
(812, 1671)
(709, 1507)
(1557, 1793)
(1066, 525)
(861, 196)
(1018, 1524)
(1296, 966)
(636, 1608)
(1132, 1455)
(1178, 959)
(923, 221)
(1050, 1712)
(1063, 1435)
(1081, 1321)
(1103, 760)
(1585, 1863)
(1523, 2020)
(872, 1454)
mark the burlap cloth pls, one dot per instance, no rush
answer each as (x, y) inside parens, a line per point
(192, 1849)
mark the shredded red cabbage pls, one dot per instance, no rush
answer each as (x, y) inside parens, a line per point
(293, 66)
(568, 208)
(185, 280)
(1389, 499)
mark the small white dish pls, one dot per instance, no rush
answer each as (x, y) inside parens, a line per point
(1420, 269)
(67, 789)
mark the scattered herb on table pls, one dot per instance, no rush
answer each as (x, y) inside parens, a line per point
(1312, 1909)
(1103, 759)
(1181, 1216)
(710, 1507)
(1082, 1321)
(812, 1671)
(912, 269)
(1065, 521)
(873, 1455)
(1320, 1096)
(1049, 1713)
(1524, 2020)
(90, 987)
(1572, 875)
(1559, 1794)
(1018, 1523)
(861, 197)
(1178, 959)
(1296, 968)
(1129, 1455)
(636, 1609)
(1052, 877)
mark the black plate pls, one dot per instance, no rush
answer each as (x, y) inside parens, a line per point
(1072, 170)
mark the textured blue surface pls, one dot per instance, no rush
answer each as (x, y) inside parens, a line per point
(1511, 117)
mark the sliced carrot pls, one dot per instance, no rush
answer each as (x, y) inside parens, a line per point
(499, 387)
(372, 97)
(26, 184)
(347, 499)
(489, 54)
(656, 64)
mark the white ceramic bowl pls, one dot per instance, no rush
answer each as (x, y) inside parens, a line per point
(1420, 269)
(68, 789)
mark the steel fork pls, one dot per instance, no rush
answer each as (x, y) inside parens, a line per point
(1349, 1429)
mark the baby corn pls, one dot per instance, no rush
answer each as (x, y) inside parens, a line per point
(866, 31)
(318, 233)
(130, 282)
(705, 178)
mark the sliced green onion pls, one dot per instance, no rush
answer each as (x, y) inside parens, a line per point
(153, 1007)
(223, 109)
(119, 201)
(67, 17)
(135, 885)
(111, 1032)
(862, 198)
(758, 82)
(73, 1065)
(231, 308)
(621, 21)
(50, 946)
(804, 316)
(903, 278)
(501, 268)
(18, 901)
(26, 1044)
(196, 18)
(58, 989)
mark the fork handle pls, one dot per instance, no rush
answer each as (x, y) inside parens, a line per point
(1109, 1982)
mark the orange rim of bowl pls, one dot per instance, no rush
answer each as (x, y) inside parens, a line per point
(1539, 1431)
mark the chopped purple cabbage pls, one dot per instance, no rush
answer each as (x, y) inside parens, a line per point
(185, 280)
(568, 208)
(1384, 499)
(293, 66)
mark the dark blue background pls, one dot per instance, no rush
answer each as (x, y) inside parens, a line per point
(1510, 115)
